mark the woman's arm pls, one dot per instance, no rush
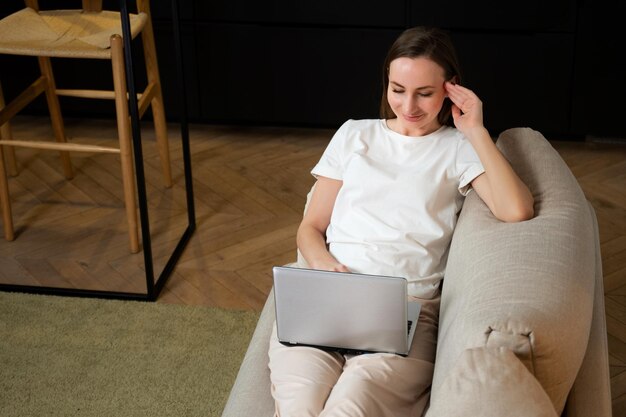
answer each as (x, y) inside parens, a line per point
(501, 189)
(312, 231)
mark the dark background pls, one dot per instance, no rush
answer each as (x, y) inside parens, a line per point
(554, 66)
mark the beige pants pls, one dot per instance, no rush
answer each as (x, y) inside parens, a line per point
(308, 382)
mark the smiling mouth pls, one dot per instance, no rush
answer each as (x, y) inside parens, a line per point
(413, 118)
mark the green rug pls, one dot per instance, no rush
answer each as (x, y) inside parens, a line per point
(88, 357)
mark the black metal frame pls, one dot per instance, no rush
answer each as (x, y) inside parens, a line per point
(153, 288)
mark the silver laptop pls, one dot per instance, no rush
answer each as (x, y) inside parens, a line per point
(347, 312)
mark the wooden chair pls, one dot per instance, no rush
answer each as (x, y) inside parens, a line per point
(87, 33)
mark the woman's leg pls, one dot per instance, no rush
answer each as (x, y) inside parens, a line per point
(380, 385)
(302, 378)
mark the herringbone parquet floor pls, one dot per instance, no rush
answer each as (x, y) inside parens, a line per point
(250, 187)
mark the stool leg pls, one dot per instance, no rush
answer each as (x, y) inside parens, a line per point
(4, 201)
(5, 133)
(123, 128)
(55, 113)
(158, 109)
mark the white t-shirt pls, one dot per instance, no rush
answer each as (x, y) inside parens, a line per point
(397, 208)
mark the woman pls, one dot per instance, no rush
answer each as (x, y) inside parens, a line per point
(386, 201)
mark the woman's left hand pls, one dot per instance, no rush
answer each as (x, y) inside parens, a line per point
(467, 109)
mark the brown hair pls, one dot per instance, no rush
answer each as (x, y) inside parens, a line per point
(431, 43)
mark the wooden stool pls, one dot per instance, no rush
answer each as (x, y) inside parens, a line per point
(90, 33)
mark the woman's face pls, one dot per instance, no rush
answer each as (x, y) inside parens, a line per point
(415, 94)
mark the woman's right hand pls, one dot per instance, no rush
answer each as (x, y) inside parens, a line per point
(331, 265)
(312, 231)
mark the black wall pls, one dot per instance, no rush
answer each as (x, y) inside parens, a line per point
(554, 66)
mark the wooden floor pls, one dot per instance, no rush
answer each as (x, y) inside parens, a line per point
(250, 187)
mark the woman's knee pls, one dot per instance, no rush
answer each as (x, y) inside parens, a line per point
(354, 398)
(299, 402)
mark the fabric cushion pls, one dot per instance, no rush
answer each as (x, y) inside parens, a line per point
(250, 395)
(526, 286)
(491, 383)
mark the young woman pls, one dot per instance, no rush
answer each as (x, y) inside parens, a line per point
(386, 201)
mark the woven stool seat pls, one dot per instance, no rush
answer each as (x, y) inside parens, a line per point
(63, 33)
